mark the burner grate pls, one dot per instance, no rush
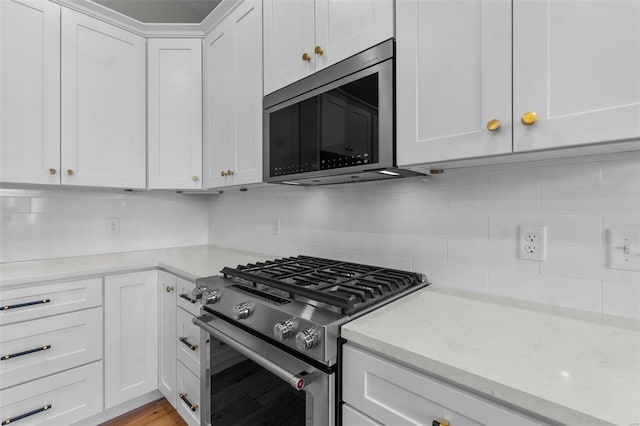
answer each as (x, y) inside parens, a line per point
(348, 286)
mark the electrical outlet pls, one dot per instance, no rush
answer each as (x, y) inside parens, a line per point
(532, 243)
(114, 226)
(275, 225)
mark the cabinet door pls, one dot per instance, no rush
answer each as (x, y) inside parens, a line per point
(130, 335)
(167, 336)
(103, 104)
(175, 113)
(577, 66)
(29, 91)
(346, 27)
(233, 107)
(219, 104)
(453, 77)
(288, 34)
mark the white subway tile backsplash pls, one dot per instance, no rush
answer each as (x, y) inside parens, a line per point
(463, 277)
(424, 202)
(568, 174)
(408, 246)
(467, 226)
(621, 170)
(621, 300)
(57, 222)
(591, 199)
(494, 200)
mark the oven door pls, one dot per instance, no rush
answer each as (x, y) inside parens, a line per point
(246, 380)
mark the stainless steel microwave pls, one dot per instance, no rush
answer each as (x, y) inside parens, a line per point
(335, 126)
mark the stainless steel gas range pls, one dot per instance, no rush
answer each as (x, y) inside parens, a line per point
(272, 332)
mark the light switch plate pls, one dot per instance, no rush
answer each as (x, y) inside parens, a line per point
(623, 249)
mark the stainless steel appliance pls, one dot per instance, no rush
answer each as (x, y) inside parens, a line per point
(335, 126)
(273, 330)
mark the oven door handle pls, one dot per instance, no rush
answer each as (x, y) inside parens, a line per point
(297, 381)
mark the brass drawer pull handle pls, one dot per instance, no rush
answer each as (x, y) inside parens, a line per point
(183, 397)
(22, 305)
(188, 344)
(25, 415)
(30, 351)
(442, 423)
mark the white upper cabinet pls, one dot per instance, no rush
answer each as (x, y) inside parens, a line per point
(288, 35)
(233, 98)
(304, 36)
(453, 79)
(29, 91)
(577, 66)
(175, 113)
(103, 104)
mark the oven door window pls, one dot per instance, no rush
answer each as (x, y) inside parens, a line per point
(244, 393)
(334, 129)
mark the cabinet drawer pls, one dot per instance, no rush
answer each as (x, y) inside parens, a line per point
(353, 417)
(188, 342)
(189, 388)
(70, 397)
(396, 395)
(33, 349)
(184, 297)
(22, 304)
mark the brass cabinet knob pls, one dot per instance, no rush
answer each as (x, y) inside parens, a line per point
(169, 289)
(195, 178)
(528, 118)
(230, 172)
(318, 50)
(70, 172)
(306, 57)
(493, 125)
(442, 423)
(223, 173)
(52, 171)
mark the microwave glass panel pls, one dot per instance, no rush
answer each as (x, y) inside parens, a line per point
(335, 129)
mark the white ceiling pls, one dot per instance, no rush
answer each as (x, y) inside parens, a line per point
(163, 11)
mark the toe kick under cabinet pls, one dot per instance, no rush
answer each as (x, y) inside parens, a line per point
(378, 391)
(51, 350)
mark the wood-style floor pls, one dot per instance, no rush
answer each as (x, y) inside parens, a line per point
(157, 413)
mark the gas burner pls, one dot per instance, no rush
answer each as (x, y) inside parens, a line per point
(334, 285)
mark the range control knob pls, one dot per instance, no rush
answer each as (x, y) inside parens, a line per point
(307, 339)
(211, 297)
(196, 293)
(242, 311)
(285, 329)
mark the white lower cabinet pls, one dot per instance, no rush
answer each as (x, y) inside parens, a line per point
(131, 336)
(44, 346)
(392, 394)
(167, 336)
(60, 399)
(188, 395)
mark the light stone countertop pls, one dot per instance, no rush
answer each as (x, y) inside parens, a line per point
(188, 262)
(578, 369)
(573, 368)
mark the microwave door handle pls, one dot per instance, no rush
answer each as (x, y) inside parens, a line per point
(297, 381)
